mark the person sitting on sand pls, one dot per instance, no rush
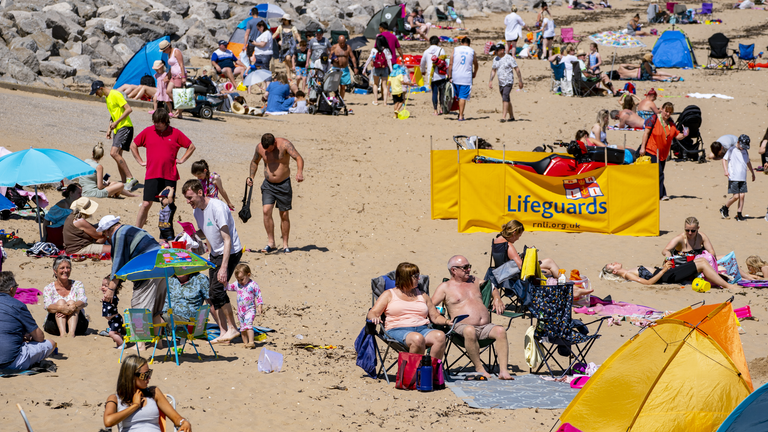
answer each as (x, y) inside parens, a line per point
(634, 28)
(757, 267)
(64, 300)
(137, 406)
(80, 237)
(645, 72)
(589, 75)
(690, 242)
(647, 107)
(461, 295)
(598, 130)
(409, 311)
(95, 185)
(187, 294)
(679, 274)
(628, 101)
(627, 118)
(22, 343)
(583, 137)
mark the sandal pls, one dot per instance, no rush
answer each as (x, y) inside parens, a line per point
(268, 249)
(374, 103)
(286, 250)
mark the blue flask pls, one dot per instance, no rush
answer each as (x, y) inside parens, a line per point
(425, 374)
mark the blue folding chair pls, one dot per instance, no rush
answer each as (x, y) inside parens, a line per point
(558, 76)
(139, 328)
(706, 9)
(190, 330)
(746, 55)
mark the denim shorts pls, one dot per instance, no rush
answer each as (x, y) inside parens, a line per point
(400, 333)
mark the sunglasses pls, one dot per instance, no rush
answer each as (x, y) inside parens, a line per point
(416, 276)
(691, 230)
(144, 375)
(466, 268)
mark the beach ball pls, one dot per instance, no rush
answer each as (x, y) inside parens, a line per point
(700, 285)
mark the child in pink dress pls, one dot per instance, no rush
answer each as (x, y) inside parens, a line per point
(248, 302)
(161, 79)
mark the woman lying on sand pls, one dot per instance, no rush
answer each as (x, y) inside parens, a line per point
(757, 267)
(137, 92)
(679, 274)
(645, 72)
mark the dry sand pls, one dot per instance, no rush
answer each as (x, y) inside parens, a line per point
(363, 208)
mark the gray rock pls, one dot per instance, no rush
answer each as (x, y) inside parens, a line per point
(62, 7)
(109, 12)
(201, 9)
(62, 27)
(336, 24)
(18, 15)
(75, 48)
(222, 34)
(27, 57)
(160, 15)
(198, 36)
(85, 10)
(181, 7)
(99, 63)
(45, 42)
(85, 80)
(113, 27)
(56, 70)
(124, 52)
(222, 11)
(357, 24)
(15, 69)
(25, 42)
(52, 83)
(7, 78)
(182, 25)
(147, 32)
(430, 13)
(94, 34)
(132, 42)
(30, 26)
(108, 72)
(42, 55)
(105, 51)
(5, 4)
(80, 63)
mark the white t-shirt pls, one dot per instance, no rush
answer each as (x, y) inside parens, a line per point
(548, 24)
(463, 61)
(568, 65)
(514, 25)
(267, 50)
(737, 164)
(426, 62)
(505, 67)
(210, 221)
(746, 4)
(728, 141)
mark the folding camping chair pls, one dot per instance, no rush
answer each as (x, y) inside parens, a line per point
(567, 36)
(680, 10)
(671, 7)
(378, 286)
(452, 13)
(556, 331)
(581, 87)
(558, 77)
(692, 146)
(706, 9)
(718, 52)
(486, 345)
(196, 325)
(746, 55)
(139, 328)
(441, 16)
(335, 36)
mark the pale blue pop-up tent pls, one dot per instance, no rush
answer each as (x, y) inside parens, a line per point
(673, 50)
(141, 63)
(751, 415)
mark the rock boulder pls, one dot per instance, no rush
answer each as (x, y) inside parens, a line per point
(27, 57)
(56, 70)
(81, 63)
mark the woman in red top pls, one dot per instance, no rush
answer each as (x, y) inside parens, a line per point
(657, 140)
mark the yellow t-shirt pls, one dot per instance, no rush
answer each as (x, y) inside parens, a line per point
(115, 103)
(396, 83)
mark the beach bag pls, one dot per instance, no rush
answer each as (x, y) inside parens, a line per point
(43, 249)
(532, 348)
(183, 98)
(506, 271)
(380, 60)
(408, 364)
(245, 212)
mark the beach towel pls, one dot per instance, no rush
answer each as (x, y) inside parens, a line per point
(708, 96)
(27, 295)
(365, 346)
(625, 128)
(729, 266)
(525, 391)
(39, 367)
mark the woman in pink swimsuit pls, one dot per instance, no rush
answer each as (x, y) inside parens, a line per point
(178, 71)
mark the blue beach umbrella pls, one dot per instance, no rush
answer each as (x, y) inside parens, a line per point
(163, 263)
(39, 166)
(6, 204)
(269, 10)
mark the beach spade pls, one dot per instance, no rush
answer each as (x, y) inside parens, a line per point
(404, 113)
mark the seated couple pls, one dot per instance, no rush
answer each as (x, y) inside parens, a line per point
(645, 72)
(408, 312)
(573, 58)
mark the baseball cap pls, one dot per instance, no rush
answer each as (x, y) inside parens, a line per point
(95, 86)
(107, 222)
(319, 30)
(498, 47)
(744, 141)
(223, 42)
(163, 194)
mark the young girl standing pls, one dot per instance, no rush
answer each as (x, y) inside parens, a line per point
(211, 182)
(112, 314)
(249, 302)
(161, 80)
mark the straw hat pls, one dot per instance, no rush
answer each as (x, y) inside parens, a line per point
(158, 64)
(84, 206)
(648, 57)
(286, 17)
(580, 53)
(237, 108)
(163, 45)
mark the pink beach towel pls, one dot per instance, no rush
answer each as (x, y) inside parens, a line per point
(27, 295)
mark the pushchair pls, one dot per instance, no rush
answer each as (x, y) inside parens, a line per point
(326, 90)
(207, 97)
(692, 146)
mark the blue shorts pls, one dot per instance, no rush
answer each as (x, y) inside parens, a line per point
(400, 333)
(301, 71)
(346, 79)
(462, 91)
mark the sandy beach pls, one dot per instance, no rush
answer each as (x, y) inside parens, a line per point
(363, 208)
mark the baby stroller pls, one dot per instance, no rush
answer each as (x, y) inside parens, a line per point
(207, 97)
(692, 146)
(327, 93)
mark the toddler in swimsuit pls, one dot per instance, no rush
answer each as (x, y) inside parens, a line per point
(112, 314)
(249, 302)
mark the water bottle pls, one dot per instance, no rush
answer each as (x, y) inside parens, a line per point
(424, 374)
(561, 279)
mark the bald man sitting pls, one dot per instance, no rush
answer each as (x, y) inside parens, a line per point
(628, 118)
(461, 295)
(341, 55)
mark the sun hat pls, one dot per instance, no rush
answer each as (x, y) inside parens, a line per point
(163, 45)
(648, 57)
(84, 206)
(96, 85)
(580, 53)
(238, 108)
(157, 64)
(286, 17)
(107, 222)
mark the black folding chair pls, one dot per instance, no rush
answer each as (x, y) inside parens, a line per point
(378, 286)
(581, 87)
(718, 57)
(556, 331)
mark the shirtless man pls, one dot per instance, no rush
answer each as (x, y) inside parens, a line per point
(341, 55)
(627, 118)
(276, 187)
(647, 107)
(461, 295)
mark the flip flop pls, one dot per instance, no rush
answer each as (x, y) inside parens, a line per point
(286, 250)
(475, 378)
(268, 249)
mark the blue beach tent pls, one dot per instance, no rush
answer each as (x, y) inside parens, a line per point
(141, 63)
(673, 50)
(751, 415)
